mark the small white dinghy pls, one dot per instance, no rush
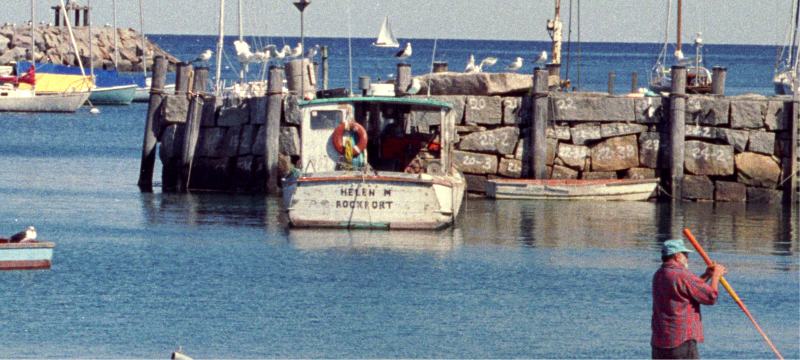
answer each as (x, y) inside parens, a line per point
(386, 38)
(572, 189)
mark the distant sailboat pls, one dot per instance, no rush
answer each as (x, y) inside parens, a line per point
(786, 68)
(386, 38)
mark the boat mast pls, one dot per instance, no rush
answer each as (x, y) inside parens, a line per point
(241, 38)
(554, 28)
(116, 40)
(218, 83)
(793, 45)
(72, 38)
(33, 38)
(679, 25)
(91, 46)
(144, 47)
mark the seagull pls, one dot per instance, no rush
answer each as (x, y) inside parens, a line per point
(698, 40)
(678, 55)
(542, 58)
(204, 57)
(261, 56)
(414, 87)
(243, 52)
(471, 65)
(311, 53)
(297, 51)
(28, 235)
(279, 54)
(405, 53)
(489, 61)
(516, 65)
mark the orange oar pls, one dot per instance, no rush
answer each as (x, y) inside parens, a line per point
(731, 292)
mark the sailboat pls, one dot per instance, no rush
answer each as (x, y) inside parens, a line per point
(698, 77)
(786, 66)
(386, 38)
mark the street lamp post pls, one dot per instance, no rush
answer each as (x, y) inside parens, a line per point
(302, 5)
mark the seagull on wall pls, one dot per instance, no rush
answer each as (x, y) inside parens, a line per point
(204, 57)
(312, 53)
(516, 65)
(489, 61)
(27, 235)
(542, 58)
(405, 53)
(471, 65)
(297, 51)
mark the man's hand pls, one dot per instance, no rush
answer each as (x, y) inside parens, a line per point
(717, 270)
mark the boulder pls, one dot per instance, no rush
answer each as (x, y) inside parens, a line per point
(617, 153)
(231, 142)
(619, 129)
(582, 133)
(291, 111)
(246, 140)
(260, 142)
(211, 142)
(289, 141)
(562, 172)
(729, 191)
(573, 156)
(458, 103)
(517, 110)
(450, 83)
(761, 195)
(476, 183)
(500, 141)
(475, 163)
(558, 132)
(737, 138)
(748, 114)
(510, 168)
(174, 109)
(484, 110)
(640, 173)
(701, 158)
(649, 110)
(707, 110)
(697, 188)
(757, 170)
(649, 149)
(571, 107)
(778, 115)
(258, 110)
(210, 108)
(761, 142)
(243, 172)
(233, 116)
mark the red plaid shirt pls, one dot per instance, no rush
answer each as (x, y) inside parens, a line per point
(677, 295)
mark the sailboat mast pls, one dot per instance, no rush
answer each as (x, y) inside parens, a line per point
(116, 40)
(679, 25)
(794, 31)
(144, 48)
(218, 83)
(91, 46)
(241, 38)
(557, 34)
(33, 38)
(72, 37)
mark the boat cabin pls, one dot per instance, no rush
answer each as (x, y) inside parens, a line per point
(380, 134)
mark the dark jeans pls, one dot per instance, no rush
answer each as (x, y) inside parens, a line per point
(687, 350)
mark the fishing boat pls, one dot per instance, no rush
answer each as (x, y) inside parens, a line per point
(409, 183)
(30, 255)
(698, 77)
(572, 189)
(786, 64)
(18, 93)
(386, 38)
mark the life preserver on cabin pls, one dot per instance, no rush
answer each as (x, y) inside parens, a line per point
(360, 131)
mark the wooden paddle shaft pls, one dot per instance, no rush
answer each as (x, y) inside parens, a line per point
(733, 294)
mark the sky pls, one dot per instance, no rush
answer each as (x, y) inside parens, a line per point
(762, 22)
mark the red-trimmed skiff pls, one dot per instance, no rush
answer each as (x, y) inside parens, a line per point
(28, 255)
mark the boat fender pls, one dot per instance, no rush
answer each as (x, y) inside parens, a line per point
(350, 125)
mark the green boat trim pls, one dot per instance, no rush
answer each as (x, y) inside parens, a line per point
(421, 102)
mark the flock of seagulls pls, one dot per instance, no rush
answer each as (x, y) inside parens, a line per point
(514, 66)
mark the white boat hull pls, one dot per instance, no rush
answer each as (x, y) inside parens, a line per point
(609, 190)
(66, 102)
(387, 200)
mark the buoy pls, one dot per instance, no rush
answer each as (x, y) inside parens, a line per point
(94, 110)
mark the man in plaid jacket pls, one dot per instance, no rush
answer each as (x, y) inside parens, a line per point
(677, 295)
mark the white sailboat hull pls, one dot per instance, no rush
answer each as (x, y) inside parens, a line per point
(66, 102)
(390, 200)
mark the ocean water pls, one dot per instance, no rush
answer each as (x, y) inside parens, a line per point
(138, 275)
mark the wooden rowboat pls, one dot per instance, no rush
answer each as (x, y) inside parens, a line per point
(29, 255)
(606, 189)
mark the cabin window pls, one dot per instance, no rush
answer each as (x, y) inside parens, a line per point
(326, 119)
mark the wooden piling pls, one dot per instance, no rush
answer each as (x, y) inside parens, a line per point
(301, 80)
(192, 127)
(790, 185)
(403, 79)
(183, 71)
(677, 131)
(612, 76)
(718, 75)
(634, 82)
(149, 143)
(440, 67)
(553, 77)
(538, 144)
(273, 127)
(325, 68)
(170, 158)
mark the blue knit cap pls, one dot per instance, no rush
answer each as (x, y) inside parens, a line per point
(674, 246)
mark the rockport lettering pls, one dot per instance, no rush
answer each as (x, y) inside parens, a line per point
(364, 204)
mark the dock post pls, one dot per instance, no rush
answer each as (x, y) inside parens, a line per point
(440, 67)
(403, 79)
(298, 80)
(149, 143)
(553, 77)
(171, 171)
(538, 145)
(325, 68)
(192, 127)
(611, 78)
(183, 73)
(790, 185)
(677, 131)
(718, 75)
(634, 82)
(273, 127)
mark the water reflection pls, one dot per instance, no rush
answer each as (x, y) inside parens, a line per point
(403, 241)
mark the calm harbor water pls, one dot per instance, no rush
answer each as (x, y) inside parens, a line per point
(137, 275)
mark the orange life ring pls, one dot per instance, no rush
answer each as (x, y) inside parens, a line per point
(360, 131)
